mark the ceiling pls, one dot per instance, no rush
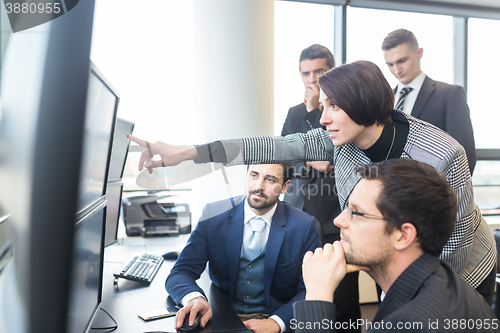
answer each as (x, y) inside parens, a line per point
(465, 8)
(486, 3)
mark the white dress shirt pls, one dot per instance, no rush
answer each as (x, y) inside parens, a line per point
(248, 214)
(410, 99)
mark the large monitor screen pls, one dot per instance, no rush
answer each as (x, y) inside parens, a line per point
(45, 79)
(86, 277)
(120, 149)
(102, 104)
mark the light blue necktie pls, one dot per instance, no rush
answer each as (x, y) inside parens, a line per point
(252, 245)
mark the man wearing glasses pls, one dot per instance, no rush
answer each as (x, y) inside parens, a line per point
(398, 218)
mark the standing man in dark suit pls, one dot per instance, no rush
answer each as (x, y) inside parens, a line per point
(261, 283)
(438, 103)
(313, 186)
(397, 220)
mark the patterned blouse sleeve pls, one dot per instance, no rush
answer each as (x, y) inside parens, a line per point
(315, 145)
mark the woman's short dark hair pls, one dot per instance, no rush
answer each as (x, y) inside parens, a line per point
(361, 90)
(416, 193)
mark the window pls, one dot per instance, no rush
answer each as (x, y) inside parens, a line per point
(483, 73)
(147, 55)
(296, 26)
(367, 28)
(486, 182)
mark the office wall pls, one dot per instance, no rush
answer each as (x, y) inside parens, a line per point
(234, 81)
(190, 72)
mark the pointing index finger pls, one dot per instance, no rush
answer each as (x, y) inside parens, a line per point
(144, 156)
(140, 142)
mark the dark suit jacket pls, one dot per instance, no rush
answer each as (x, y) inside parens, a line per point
(218, 239)
(429, 291)
(445, 106)
(311, 190)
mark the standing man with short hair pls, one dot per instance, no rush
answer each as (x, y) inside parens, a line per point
(313, 187)
(254, 245)
(438, 103)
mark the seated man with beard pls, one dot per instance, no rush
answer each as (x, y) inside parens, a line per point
(254, 245)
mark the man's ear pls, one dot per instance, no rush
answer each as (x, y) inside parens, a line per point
(285, 186)
(406, 236)
(420, 53)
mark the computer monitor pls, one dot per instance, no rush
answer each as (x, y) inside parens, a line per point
(89, 232)
(114, 209)
(102, 105)
(114, 189)
(45, 76)
(120, 149)
(86, 277)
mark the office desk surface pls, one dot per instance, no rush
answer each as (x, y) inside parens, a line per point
(129, 298)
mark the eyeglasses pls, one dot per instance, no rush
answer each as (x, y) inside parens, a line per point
(352, 212)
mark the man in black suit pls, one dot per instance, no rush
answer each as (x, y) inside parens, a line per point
(313, 187)
(397, 220)
(438, 103)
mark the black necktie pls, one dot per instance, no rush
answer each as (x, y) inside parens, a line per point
(402, 94)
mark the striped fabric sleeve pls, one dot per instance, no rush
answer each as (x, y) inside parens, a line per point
(457, 250)
(212, 152)
(313, 316)
(469, 250)
(314, 145)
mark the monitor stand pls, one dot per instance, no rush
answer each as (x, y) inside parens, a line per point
(103, 321)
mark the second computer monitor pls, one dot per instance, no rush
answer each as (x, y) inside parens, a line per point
(114, 199)
(102, 104)
(86, 276)
(120, 149)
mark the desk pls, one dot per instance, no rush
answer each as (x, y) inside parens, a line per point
(129, 298)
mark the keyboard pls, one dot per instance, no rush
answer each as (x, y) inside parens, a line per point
(140, 267)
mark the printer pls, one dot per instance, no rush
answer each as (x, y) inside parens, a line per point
(145, 216)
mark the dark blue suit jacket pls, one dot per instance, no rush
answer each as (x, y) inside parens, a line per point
(218, 238)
